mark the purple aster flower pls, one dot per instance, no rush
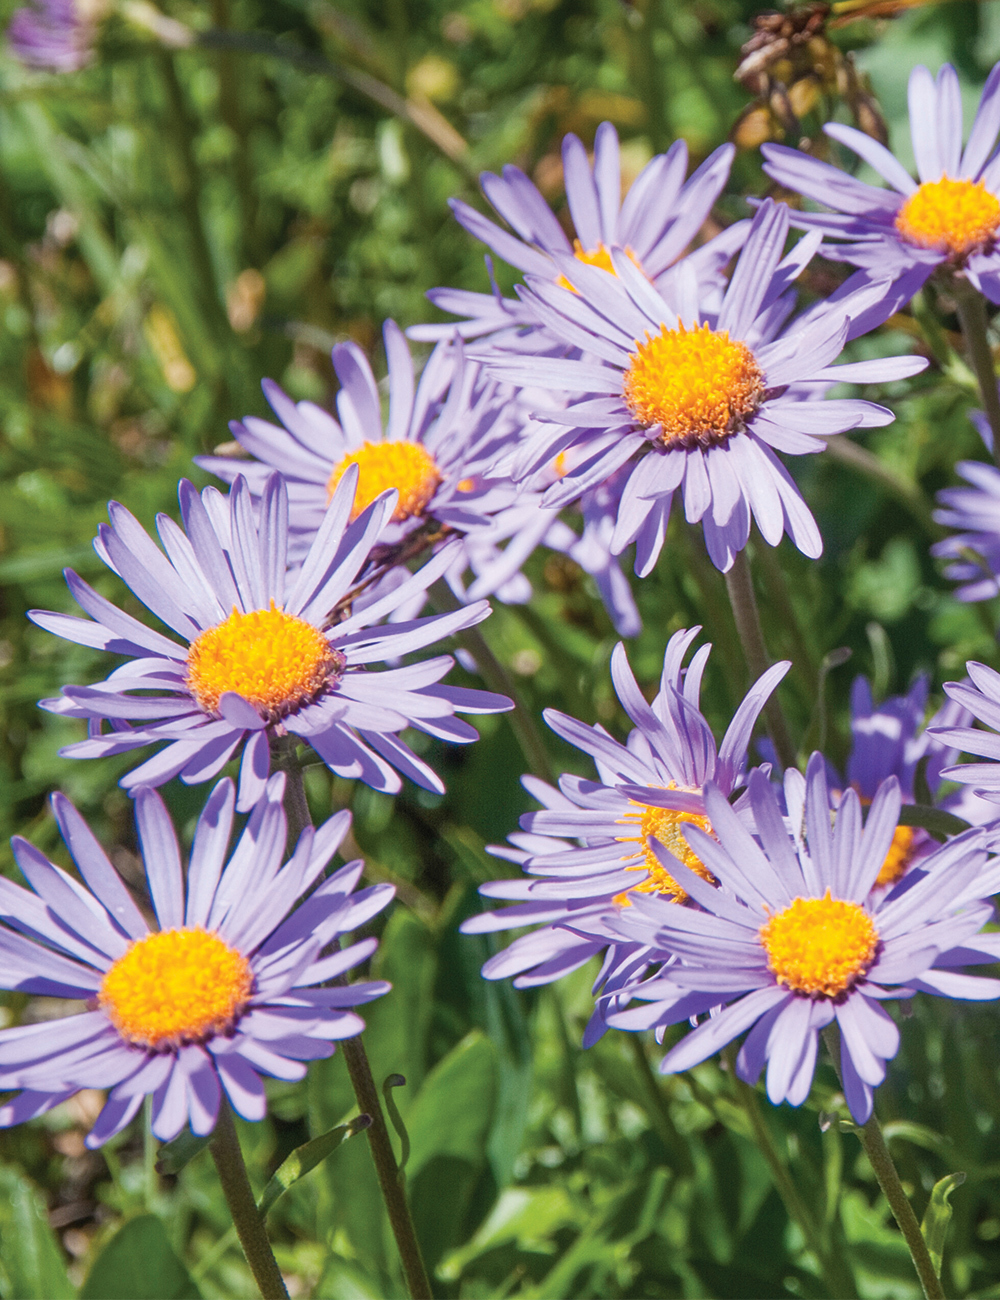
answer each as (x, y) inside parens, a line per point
(51, 34)
(588, 849)
(439, 436)
(975, 512)
(951, 216)
(792, 938)
(704, 401)
(225, 989)
(497, 553)
(651, 226)
(257, 658)
(980, 698)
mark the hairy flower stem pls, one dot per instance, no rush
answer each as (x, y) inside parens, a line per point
(873, 1141)
(225, 1149)
(971, 308)
(836, 1273)
(497, 678)
(739, 584)
(360, 1071)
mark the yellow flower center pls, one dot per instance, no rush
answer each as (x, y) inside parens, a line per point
(955, 217)
(407, 466)
(820, 946)
(274, 660)
(898, 857)
(664, 824)
(175, 987)
(699, 385)
(600, 257)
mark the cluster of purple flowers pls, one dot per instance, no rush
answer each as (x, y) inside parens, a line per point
(630, 368)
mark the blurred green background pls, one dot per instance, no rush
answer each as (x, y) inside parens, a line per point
(176, 224)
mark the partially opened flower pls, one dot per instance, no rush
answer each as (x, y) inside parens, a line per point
(232, 983)
(655, 222)
(950, 216)
(694, 401)
(589, 847)
(439, 435)
(791, 938)
(53, 34)
(257, 659)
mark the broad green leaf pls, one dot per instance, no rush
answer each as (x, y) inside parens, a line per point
(307, 1157)
(28, 1247)
(937, 1217)
(525, 1215)
(139, 1263)
(452, 1112)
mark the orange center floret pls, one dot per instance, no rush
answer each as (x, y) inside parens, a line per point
(407, 466)
(276, 661)
(956, 217)
(820, 946)
(175, 987)
(599, 257)
(898, 857)
(699, 385)
(664, 824)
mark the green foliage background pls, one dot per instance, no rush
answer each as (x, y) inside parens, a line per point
(173, 227)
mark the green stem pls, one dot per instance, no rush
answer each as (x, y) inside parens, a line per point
(285, 759)
(971, 308)
(873, 1141)
(739, 584)
(836, 1274)
(225, 1149)
(658, 1110)
(369, 1101)
(497, 678)
(777, 592)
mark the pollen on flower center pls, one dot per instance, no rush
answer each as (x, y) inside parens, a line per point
(274, 660)
(407, 466)
(664, 824)
(956, 217)
(174, 987)
(899, 856)
(699, 385)
(599, 257)
(820, 946)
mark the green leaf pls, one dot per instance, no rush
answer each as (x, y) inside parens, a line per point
(452, 1112)
(307, 1157)
(30, 1252)
(139, 1263)
(937, 1217)
(173, 1156)
(939, 823)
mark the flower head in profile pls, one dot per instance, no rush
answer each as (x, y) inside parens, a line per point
(230, 984)
(949, 216)
(697, 401)
(53, 34)
(439, 435)
(257, 659)
(974, 512)
(652, 226)
(979, 698)
(588, 848)
(792, 939)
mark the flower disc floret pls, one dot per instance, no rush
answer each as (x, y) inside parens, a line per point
(406, 466)
(174, 987)
(954, 217)
(699, 385)
(276, 661)
(665, 825)
(820, 946)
